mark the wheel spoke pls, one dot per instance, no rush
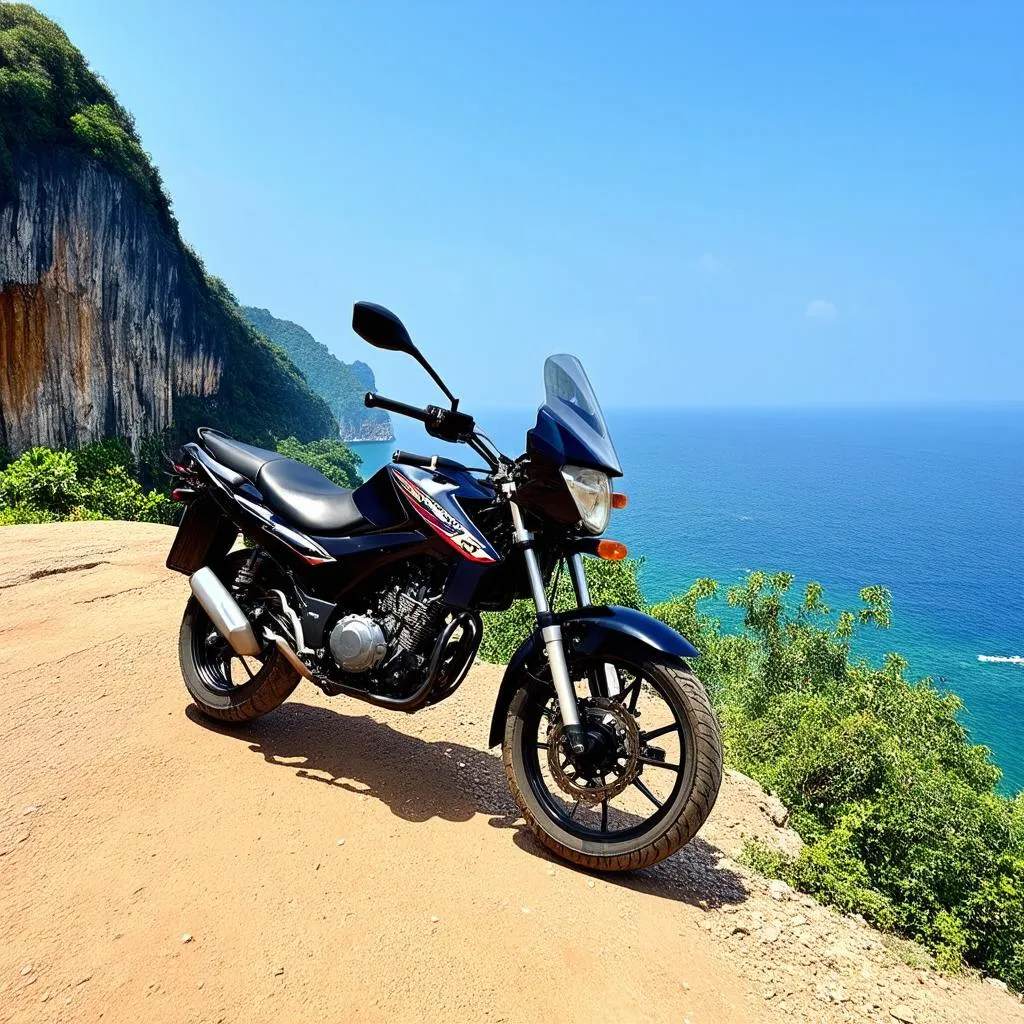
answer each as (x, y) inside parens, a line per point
(634, 696)
(658, 764)
(647, 793)
(604, 815)
(663, 731)
(245, 665)
(575, 808)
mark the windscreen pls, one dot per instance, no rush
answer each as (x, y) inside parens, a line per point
(569, 397)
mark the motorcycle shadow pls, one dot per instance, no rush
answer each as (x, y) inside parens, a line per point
(420, 779)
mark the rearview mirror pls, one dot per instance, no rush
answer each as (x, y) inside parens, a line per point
(381, 328)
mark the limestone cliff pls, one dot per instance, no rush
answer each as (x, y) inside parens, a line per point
(100, 327)
(108, 326)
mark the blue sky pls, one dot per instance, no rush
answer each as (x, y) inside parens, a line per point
(758, 204)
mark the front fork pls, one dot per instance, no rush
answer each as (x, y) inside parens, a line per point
(551, 633)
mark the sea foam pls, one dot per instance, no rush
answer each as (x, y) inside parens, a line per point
(1013, 659)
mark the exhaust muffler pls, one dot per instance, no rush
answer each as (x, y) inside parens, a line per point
(224, 612)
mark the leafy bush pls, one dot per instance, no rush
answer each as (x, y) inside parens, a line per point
(94, 482)
(333, 458)
(48, 94)
(43, 479)
(896, 806)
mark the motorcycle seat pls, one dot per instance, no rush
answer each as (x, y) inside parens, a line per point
(295, 491)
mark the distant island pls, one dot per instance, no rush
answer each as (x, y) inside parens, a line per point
(341, 385)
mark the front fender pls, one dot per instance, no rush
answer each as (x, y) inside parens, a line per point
(589, 631)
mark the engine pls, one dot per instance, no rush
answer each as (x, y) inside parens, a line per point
(396, 635)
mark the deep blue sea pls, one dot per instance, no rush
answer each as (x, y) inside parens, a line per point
(929, 503)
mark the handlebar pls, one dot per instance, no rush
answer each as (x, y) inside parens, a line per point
(446, 424)
(372, 400)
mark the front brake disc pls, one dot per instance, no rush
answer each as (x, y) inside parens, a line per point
(596, 784)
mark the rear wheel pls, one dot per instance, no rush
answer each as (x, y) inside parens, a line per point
(224, 685)
(649, 778)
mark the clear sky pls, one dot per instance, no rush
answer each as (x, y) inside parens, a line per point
(714, 204)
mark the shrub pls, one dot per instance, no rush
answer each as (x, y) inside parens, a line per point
(94, 482)
(43, 479)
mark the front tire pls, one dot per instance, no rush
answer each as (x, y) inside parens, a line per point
(645, 815)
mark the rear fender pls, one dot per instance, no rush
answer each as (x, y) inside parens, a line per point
(590, 631)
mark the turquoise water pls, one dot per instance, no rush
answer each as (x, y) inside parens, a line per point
(929, 503)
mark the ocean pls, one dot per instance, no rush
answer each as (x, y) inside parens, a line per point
(929, 503)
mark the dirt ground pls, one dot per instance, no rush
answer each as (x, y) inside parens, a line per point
(333, 862)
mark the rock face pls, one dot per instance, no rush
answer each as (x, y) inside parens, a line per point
(101, 315)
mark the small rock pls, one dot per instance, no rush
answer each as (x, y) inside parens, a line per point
(996, 983)
(84, 979)
(740, 929)
(778, 890)
(186, 937)
(341, 842)
(771, 934)
(278, 972)
(525, 910)
(201, 984)
(769, 993)
(797, 921)
(551, 872)
(434, 918)
(46, 996)
(904, 1014)
(26, 970)
(29, 810)
(590, 884)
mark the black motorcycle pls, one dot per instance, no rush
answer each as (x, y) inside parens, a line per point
(610, 746)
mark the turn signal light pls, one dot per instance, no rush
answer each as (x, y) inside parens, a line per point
(619, 500)
(611, 550)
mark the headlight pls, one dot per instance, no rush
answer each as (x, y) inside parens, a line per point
(592, 493)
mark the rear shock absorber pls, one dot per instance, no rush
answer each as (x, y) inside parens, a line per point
(247, 572)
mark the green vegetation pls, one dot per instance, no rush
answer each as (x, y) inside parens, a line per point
(51, 101)
(99, 481)
(105, 481)
(263, 396)
(897, 807)
(341, 385)
(48, 95)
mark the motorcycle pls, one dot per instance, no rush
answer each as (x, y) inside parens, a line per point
(609, 743)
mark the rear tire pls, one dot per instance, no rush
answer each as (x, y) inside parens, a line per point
(211, 687)
(684, 811)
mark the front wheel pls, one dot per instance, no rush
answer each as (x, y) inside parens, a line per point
(648, 779)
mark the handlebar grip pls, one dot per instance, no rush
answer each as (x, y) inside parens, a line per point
(411, 459)
(372, 400)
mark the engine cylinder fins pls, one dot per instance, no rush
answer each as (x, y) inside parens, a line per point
(357, 643)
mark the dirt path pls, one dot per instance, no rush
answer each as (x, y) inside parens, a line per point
(337, 863)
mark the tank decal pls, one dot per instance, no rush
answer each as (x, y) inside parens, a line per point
(446, 522)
